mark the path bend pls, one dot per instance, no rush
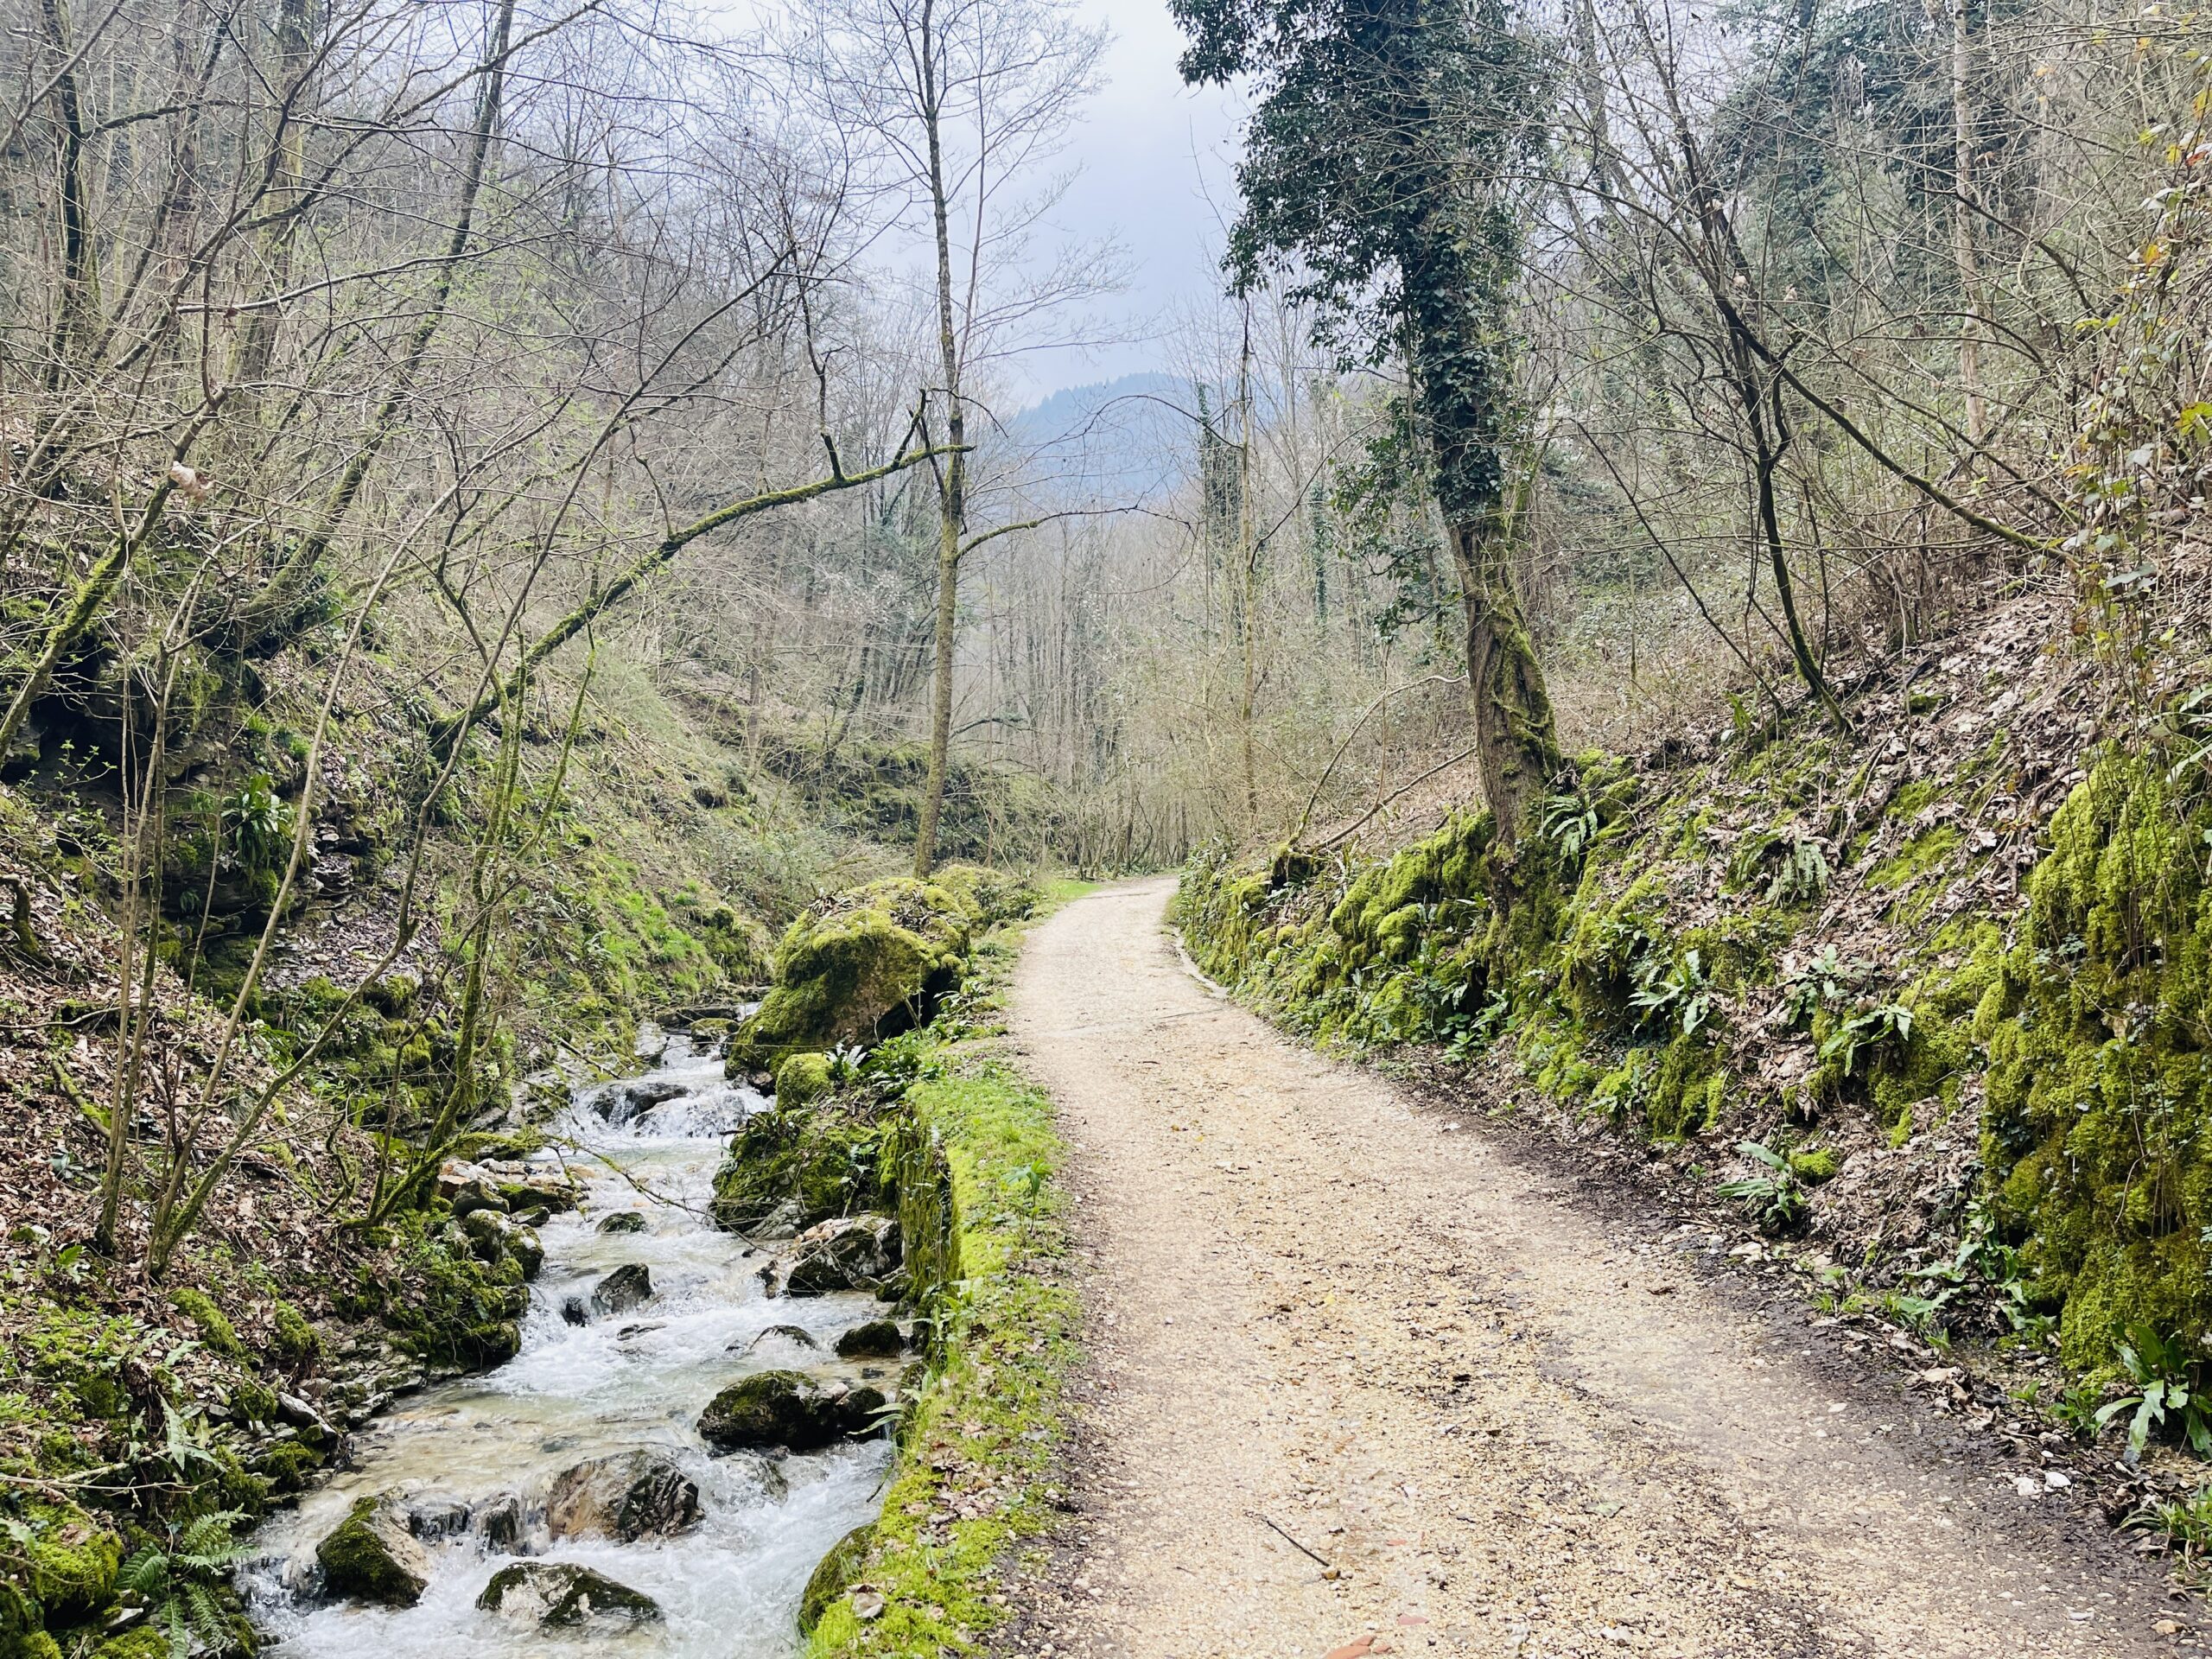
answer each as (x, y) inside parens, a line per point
(1360, 1378)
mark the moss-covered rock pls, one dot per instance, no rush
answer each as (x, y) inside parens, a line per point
(372, 1556)
(833, 1575)
(2098, 1129)
(865, 965)
(802, 1079)
(215, 1330)
(797, 1167)
(784, 1410)
(72, 1560)
(296, 1345)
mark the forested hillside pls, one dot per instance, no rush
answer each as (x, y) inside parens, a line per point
(560, 597)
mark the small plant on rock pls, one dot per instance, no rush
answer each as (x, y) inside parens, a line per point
(1678, 992)
(1772, 1194)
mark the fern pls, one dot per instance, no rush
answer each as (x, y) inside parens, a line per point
(177, 1585)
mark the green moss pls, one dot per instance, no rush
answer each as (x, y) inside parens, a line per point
(355, 1561)
(802, 1079)
(833, 1575)
(825, 1160)
(287, 1466)
(296, 1342)
(1925, 852)
(72, 1560)
(2098, 1129)
(144, 1642)
(445, 1305)
(1813, 1165)
(214, 1328)
(871, 963)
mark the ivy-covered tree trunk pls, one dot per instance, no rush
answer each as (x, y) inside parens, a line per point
(1456, 268)
(1516, 738)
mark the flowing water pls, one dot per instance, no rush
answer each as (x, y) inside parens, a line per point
(634, 1380)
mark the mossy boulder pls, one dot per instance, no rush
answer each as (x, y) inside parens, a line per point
(862, 966)
(833, 1575)
(796, 1168)
(372, 1555)
(785, 1411)
(802, 1079)
(561, 1595)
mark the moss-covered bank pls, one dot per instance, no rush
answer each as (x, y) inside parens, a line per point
(936, 1123)
(1821, 947)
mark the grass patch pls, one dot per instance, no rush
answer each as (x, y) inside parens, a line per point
(975, 1457)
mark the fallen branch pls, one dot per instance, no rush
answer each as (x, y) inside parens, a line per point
(1287, 1538)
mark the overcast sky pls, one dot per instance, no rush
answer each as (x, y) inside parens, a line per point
(1151, 150)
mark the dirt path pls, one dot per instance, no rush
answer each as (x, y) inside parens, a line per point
(1503, 1426)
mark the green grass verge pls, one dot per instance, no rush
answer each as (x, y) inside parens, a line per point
(976, 1458)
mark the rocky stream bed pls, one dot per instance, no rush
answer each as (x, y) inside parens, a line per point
(690, 1425)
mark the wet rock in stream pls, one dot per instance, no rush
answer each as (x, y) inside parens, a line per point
(788, 1410)
(877, 1339)
(561, 1595)
(372, 1555)
(500, 1522)
(850, 1253)
(629, 1496)
(623, 1221)
(437, 1516)
(628, 1286)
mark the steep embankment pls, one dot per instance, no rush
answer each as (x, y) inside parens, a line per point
(1361, 1376)
(1943, 979)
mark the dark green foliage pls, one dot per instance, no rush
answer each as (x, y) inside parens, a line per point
(1373, 171)
(180, 1583)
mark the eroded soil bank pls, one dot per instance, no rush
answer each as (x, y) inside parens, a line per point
(1361, 1376)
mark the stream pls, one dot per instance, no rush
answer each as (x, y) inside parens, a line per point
(630, 1380)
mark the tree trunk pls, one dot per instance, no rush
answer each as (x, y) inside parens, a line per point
(1962, 240)
(952, 477)
(1516, 746)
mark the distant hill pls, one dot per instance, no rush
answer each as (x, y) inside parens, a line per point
(1122, 440)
